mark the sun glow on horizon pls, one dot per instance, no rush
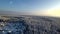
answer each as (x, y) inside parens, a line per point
(54, 11)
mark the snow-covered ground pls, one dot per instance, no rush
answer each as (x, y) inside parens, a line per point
(29, 25)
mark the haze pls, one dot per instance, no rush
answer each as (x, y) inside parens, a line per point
(30, 7)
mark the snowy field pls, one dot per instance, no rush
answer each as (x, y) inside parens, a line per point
(29, 25)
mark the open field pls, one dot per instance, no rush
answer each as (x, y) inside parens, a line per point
(29, 25)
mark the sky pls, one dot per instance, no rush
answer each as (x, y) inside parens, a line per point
(30, 7)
